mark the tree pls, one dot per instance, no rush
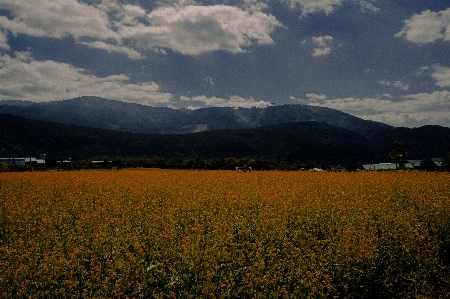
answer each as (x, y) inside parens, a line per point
(353, 166)
(398, 154)
(446, 161)
(3, 167)
(427, 165)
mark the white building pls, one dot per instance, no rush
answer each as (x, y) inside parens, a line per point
(22, 161)
(386, 166)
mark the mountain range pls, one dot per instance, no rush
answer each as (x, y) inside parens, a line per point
(90, 126)
(128, 117)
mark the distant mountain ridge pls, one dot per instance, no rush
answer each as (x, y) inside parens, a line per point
(87, 127)
(121, 116)
(23, 136)
(302, 141)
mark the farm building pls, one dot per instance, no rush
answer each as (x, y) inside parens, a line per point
(22, 161)
(386, 166)
(410, 164)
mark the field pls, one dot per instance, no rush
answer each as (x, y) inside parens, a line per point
(224, 234)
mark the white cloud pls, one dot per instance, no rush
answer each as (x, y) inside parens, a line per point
(442, 76)
(400, 85)
(314, 6)
(184, 28)
(254, 5)
(3, 40)
(234, 101)
(367, 6)
(209, 80)
(56, 19)
(178, 3)
(24, 78)
(327, 6)
(299, 100)
(413, 110)
(129, 15)
(324, 45)
(397, 84)
(427, 27)
(193, 30)
(134, 10)
(131, 53)
(315, 97)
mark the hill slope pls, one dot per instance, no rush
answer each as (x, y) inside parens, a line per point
(115, 115)
(302, 141)
(23, 136)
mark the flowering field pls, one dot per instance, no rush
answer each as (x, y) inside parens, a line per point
(193, 234)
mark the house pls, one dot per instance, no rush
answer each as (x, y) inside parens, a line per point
(386, 166)
(22, 161)
(410, 164)
(243, 168)
(437, 161)
(417, 163)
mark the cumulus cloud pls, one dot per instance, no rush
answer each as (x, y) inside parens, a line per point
(184, 27)
(427, 27)
(313, 97)
(299, 100)
(368, 7)
(193, 30)
(24, 78)
(234, 101)
(56, 19)
(254, 5)
(413, 110)
(397, 84)
(3, 40)
(314, 6)
(209, 80)
(327, 6)
(441, 75)
(131, 53)
(323, 44)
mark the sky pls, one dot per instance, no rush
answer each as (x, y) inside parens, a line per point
(387, 61)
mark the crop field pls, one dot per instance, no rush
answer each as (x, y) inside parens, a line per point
(224, 234)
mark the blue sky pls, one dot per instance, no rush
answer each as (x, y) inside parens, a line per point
(386, 61)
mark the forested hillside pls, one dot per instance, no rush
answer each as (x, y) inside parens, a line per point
(115, 115)
(306, 142)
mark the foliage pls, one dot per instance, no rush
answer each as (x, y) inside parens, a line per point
(446, 161)
(306, 142)
(3, 167)
(353, 166)
(106, 114)
(398, 154)
(191, 234)
(428, 165)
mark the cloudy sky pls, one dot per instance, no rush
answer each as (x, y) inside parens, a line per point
(381, 60)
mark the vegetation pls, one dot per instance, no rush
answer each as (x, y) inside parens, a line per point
(191, 234)
(309, 143)
(129, 117)
(446, 161)
(398, 154)
(428, 165)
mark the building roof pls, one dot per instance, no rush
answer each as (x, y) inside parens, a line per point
(386, 166)
(21, 160)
